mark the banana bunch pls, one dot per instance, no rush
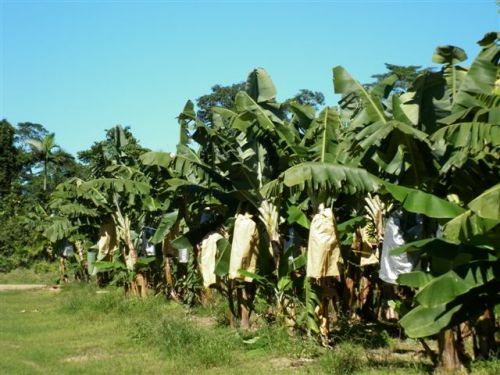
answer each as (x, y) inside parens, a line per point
(270, 217)
(376, 210)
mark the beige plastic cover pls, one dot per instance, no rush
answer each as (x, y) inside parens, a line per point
(107, 239)
(208, 258)
(245, 247)
(323, 250)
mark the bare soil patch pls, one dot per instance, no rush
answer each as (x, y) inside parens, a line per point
(5, 287)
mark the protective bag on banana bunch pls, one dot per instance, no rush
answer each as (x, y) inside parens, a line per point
(397, 230)
(323, 250)
(107, 239)
(245, 247)
(208, 258)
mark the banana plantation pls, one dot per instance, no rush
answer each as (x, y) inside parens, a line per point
(381, 209)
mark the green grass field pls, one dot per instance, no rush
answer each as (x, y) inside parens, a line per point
(83, 330)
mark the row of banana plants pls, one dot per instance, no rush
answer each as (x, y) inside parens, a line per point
(432, 150)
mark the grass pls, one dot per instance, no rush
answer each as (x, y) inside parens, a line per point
(83, 330)
(39, 273)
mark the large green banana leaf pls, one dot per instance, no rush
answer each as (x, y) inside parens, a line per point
(426, 321)
(373, 109)
(260, 86)
(335, 177)
(482, 74)
(166, 223)
(158, 158)
(417, 201)
(479, 221)
(415, 279)
(250, 111)
(487, 205)
(447, 287)
(58, 229)
(324, 132)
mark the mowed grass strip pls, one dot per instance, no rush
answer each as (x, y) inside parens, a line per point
(84, 330)
(36, 337)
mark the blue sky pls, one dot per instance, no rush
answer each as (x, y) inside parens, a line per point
(79, 67)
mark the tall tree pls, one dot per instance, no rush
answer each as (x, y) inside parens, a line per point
(8, 157)
(220, 96)
(308, 97)
(406, 75)
(44, 150)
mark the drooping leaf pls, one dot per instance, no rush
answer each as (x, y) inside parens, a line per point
(58, 229)
(166, 222)
(415, 279)
(447, 287)
(295, 215)
(404, 108)
(102, 265)
(417, 201)
(182, 242)
(161, 159)
(337, 178)
(426, 321)
(312, 300)
(466, 226)
(487, 205)
(427, 245)
(223, 258)
(251, 112)
(482, 74)
(144, 263)
(350, 225)
(449, 55)
(468, 140)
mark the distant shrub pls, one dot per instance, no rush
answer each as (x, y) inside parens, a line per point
(6, 264)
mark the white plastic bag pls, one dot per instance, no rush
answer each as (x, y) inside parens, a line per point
(323, 250)
(391, 266)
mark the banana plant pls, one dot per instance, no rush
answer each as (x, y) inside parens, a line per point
(462, 281)
(467, 143)
(463, 277)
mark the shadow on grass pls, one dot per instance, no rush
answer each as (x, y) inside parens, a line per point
(392, 363)
(366, 335)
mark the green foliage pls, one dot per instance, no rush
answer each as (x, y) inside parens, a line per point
(372, 109)
(417, 201)
(9, 162)
(426, 141)
(220, 96)
(119, 146)
(335, 177)
(406, 75)
(464, 271)
(346, 359)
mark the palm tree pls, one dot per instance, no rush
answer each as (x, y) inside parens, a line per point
(44, 151)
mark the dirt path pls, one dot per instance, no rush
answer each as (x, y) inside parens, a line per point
(4, 287)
